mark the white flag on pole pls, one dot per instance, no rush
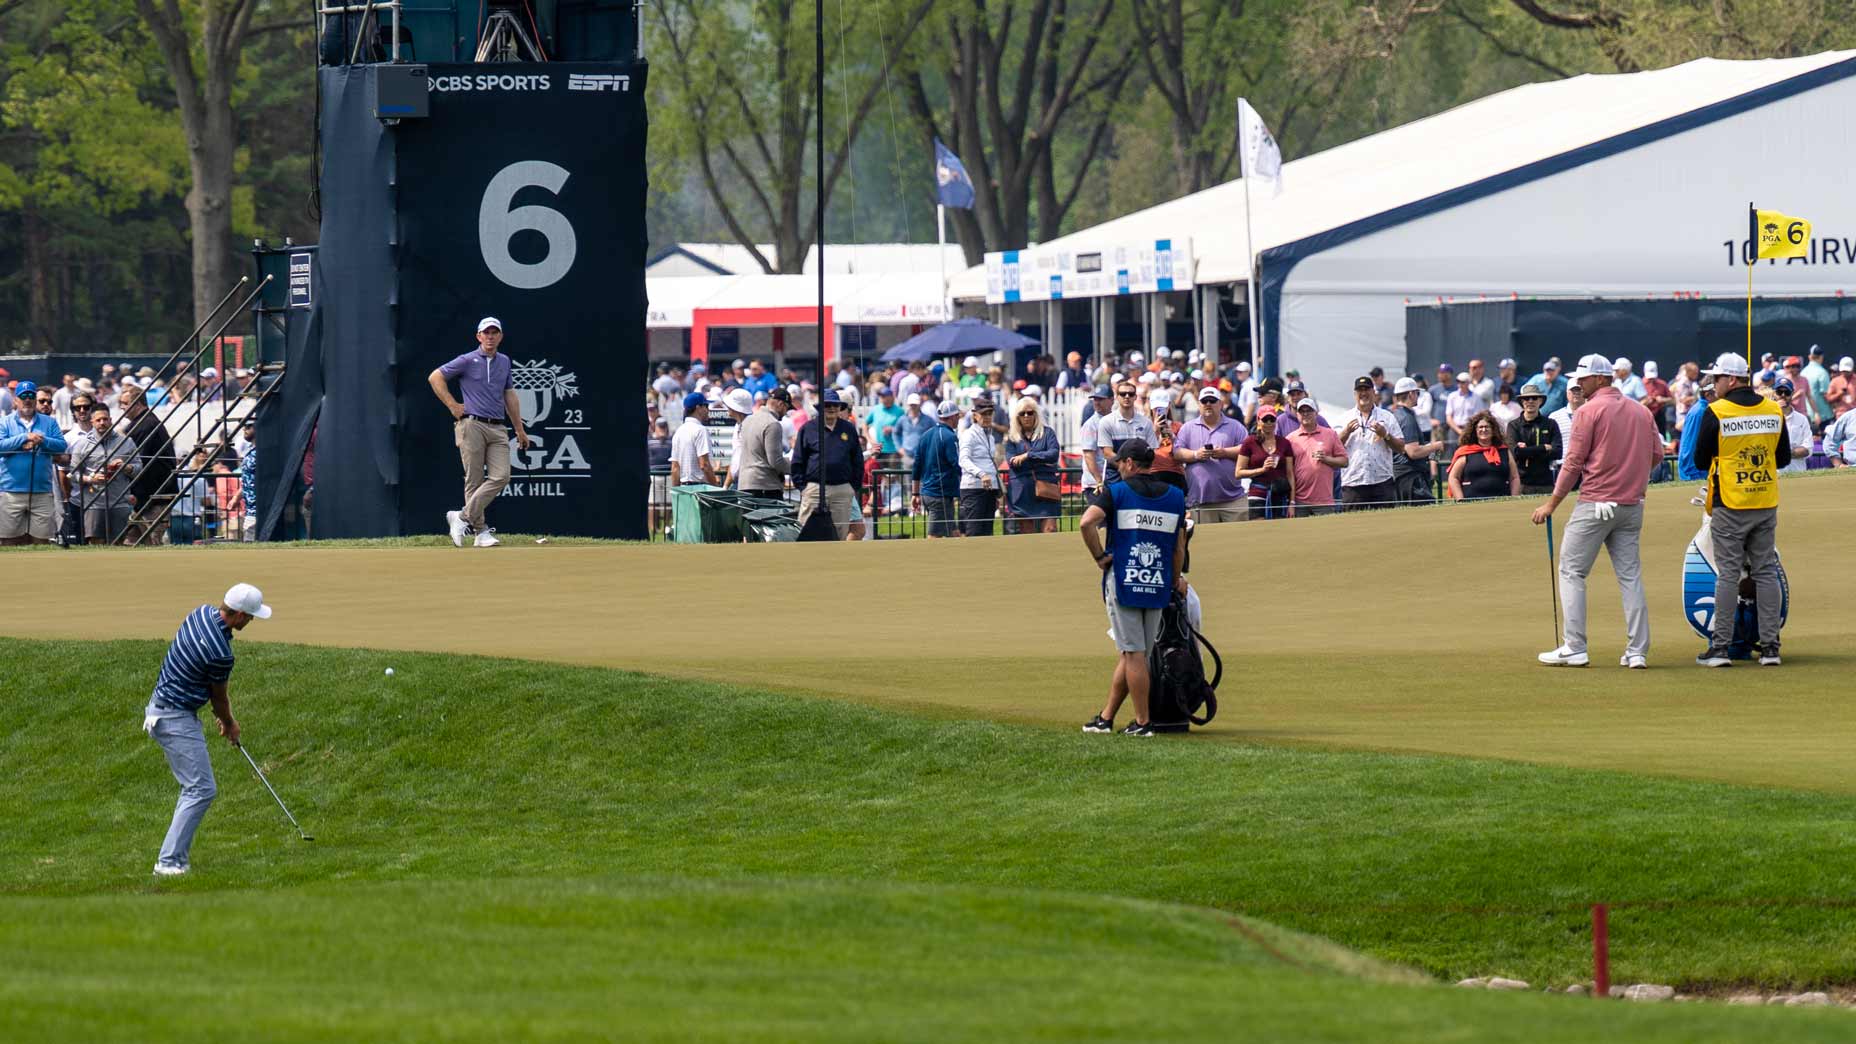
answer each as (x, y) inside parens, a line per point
(1259, 156)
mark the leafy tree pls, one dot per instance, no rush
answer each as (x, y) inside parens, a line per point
(738, 103)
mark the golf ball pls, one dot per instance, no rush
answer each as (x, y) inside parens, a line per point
(389, 672)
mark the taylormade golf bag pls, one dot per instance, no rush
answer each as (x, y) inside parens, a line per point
(1177, 686)
(1698, 575)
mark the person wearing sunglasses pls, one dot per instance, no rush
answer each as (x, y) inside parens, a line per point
(1126, 421)
(979, 472)
(1031, 451)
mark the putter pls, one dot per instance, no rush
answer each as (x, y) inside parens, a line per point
(1553, 583)
(273, 790)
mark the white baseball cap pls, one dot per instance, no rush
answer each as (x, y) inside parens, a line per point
(1243, 367)
(914, 399)
(972, 361)
(1034, 391)
(1160, 400)
(1150, 378)
(1210, 394)
(1650, 369)
(1134, 357)
(739, 400)
(1621, 363)
(1593, 365)
(1846, 364)
(1728, 365)
(1405, 384)
(487, 322)
(244, 598)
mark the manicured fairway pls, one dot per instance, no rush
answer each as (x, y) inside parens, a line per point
(1411, 630)
(476, 769)
(670, 960)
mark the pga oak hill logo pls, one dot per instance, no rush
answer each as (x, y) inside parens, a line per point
(1144, 565)
(540, 388)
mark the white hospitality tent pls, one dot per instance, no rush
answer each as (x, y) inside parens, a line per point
(1615, 186)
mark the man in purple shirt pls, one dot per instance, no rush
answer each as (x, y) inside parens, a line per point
(1207, 446)
(480, 428)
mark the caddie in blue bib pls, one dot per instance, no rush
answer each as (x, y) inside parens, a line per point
(1146, 530)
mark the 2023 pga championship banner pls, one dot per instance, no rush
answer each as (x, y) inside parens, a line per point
(522, 197)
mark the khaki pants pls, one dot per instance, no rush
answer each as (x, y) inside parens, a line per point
(1222, 511)
(841, 501)
(484, 449)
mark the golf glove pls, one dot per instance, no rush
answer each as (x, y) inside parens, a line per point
(1604, 509)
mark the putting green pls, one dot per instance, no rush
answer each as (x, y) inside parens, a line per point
(1410, 630)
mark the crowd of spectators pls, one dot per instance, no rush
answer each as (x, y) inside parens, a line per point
(1241, 446)
(115, 454)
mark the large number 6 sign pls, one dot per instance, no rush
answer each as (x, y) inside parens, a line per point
(497, 224)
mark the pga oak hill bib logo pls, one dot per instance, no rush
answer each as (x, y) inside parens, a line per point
(1144, 565)
(543, 391)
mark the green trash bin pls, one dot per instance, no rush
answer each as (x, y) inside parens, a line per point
(702, 514)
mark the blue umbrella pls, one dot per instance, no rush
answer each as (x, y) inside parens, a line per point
(960, 337)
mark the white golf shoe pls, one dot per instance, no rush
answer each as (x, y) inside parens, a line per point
(486, 537)
(167, 870)
(454, 521)
(1635, 663)
(1564, 657)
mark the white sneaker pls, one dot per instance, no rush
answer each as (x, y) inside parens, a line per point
(454, 520)
(487, 538)
(1635, 663)
(1564, 657)
(167, 870)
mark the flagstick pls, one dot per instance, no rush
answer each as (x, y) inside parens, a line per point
(940, 239)
(1752, 246)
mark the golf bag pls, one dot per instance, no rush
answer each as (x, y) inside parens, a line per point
(1177, 688)
(1698, 575)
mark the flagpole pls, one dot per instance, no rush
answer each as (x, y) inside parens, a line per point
(940, 239)
(1250, 270)
(1752, 246)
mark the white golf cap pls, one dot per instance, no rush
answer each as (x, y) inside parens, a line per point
(1620, 363)
(244, 598)
(948, 408)
(1305, 404)
(1650, 369)
(739, 400)
(1134, 356)
(209, 372)
(1845, 364)
(914, 399)
(1034, 391)
(1405, 384)
(1198, 375)
(1593, 365)
(1160, 400)
(1210, 394)
(1728, 365)
(1150, 378)
(487, 322)
(1243, 367)
(970, 361)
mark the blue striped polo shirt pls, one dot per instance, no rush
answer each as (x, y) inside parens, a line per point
(200, 656)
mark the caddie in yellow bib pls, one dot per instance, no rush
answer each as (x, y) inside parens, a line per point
(1742, 442)
(1744, 476)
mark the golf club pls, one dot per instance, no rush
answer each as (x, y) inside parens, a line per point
(273, 790)
(1553, 583)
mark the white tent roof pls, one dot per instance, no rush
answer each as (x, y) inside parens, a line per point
(885, 258)
(1422, 159)
(731, 258)
(898, 299)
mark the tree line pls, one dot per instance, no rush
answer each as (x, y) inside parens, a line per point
(147, 142)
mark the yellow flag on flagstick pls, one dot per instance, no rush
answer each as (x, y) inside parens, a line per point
(1780, 235)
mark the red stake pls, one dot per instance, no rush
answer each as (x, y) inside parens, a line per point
(1601, 951)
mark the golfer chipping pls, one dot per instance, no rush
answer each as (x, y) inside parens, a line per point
(195, 673)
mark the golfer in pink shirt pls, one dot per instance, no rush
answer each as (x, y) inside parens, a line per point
(1614, 446)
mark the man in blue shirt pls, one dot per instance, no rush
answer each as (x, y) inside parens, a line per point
(758, 380)
(196, 672)
(1553, 383)
(480, 427)
(28, 441)
(937, 472)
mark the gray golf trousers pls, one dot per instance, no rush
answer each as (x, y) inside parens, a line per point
(1585, 535)
(1745, 539)
(184, 742)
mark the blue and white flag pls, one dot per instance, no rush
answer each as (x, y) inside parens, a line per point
(952, 187)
